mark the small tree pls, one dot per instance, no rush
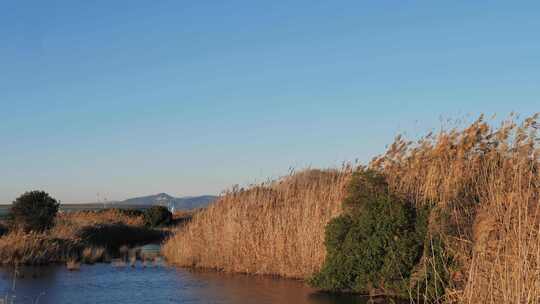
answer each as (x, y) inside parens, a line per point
(157, 216)
(34, 210)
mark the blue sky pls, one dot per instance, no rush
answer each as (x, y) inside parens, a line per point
(138, 97)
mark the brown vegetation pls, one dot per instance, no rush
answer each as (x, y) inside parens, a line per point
(35, 248)
(272, 228)
(91, 255)
(73, 265)
(487, 182)
(88, 236)
(482, 181)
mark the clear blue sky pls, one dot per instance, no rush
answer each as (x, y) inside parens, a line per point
(127, 98)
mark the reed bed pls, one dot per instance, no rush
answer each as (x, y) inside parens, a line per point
(87, 236)
(106, 216)
(35, 248)
(73, 265)
(272, 228)
(91, 254)
(483, 180)
(486, 180)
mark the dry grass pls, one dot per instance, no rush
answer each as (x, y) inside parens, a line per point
(487, 181)
(73, 265)
(272, 228)
(73, 237)
(34, 248)
(69, 224)
(91, 255)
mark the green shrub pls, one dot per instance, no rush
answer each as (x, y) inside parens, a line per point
(113, 236)
(364, 187)
(432, 275)
(34, 210)
(157, 216)
(375, 245)
(125, 211)
(3, 230)
(132, 212)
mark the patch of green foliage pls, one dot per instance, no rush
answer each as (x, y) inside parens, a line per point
(132, 212)
(375, 245)
(112, 236)
(34, 211)
(156, 216)
(432, 275)
(3, 229)
(125, 211)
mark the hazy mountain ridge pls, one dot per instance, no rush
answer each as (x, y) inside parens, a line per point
(164, 199)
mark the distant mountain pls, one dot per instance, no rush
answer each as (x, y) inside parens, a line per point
(192, 202)
(156, 199)
(164, 199)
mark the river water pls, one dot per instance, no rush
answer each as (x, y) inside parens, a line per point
(105, 283)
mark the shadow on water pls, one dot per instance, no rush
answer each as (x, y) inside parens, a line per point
(156, 283)
(332, 298)
(23, 284)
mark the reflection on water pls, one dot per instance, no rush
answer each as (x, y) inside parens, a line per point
(103, 283)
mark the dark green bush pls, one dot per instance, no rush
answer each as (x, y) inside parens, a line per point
(3, 229)
(34, 210)
(132, 212)
(375, 245)
(157, 216)
(112, 236)
(365, 187)
(125, 211)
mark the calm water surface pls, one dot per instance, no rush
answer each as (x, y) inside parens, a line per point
(104, 283)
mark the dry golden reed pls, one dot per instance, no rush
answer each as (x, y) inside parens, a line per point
(62, 242)
(107, 216)
(73, 265)
(485, 178)
(91, 255)
(18, 247)
(67, 225)
(487, 181)
(274, 228)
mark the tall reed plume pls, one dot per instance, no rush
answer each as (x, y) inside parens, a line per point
(487, 181)
(484, 179)
(273, 228)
